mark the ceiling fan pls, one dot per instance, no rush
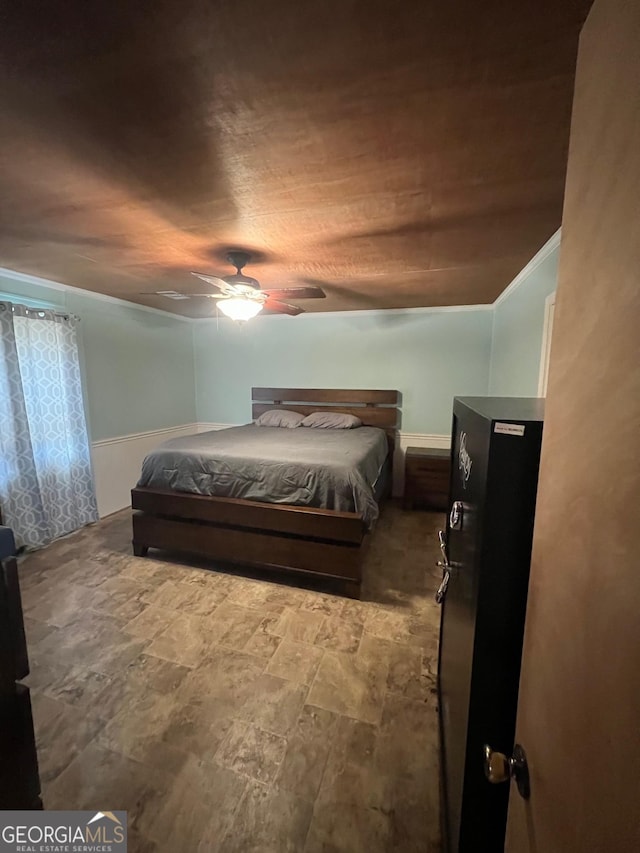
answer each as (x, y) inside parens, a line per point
(241, 296)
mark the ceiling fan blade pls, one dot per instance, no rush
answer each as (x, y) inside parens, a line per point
(177, 294)
(274, 306)
(210, 295)
(295, 292)
(220, 283)
(357, 297)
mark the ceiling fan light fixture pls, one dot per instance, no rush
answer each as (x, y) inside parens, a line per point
(240, 309)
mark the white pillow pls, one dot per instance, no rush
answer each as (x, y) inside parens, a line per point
(331, 420)
(280, 418)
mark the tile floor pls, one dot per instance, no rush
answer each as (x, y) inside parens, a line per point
(227, 713)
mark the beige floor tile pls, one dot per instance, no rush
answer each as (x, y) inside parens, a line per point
(198, 810)
(120, 596)
(150, 622)
(298, 625)
(405, 664)
(296, 661)
(268, 820)
(62, 732)
(308, 747)
(138, 729)
(274, 704)
(234, 625)
(200, 599)
(342, 635)
(250, 594)
(186, 640)
(330, 605)
(115, 656)
(97, 776)
(61, 605)
(209, 728)
(348, 829)
(351, 685)
(262, 645)
(195, 730)
(79, 686)
(147, 672)
(252, 752)
(223, 682)
(387, 625)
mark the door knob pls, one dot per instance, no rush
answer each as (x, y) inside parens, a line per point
(500, 768)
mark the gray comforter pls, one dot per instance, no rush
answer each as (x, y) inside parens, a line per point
(327, 468)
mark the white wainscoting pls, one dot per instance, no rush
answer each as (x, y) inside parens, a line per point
(117, 461)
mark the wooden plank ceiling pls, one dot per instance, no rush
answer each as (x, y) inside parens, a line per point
(399, 154)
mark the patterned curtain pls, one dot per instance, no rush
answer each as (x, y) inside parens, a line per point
(46, 483)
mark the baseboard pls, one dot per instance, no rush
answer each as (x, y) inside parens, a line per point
(117, 461)
(207, 427)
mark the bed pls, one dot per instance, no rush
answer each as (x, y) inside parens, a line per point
(298, 500)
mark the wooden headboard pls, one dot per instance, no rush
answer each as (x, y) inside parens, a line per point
(374, 408)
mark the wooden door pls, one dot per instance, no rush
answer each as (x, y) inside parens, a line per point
(579, 706)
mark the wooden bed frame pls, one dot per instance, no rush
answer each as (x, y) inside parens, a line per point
(318, 542)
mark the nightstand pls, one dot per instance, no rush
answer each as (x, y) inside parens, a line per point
(426, 478)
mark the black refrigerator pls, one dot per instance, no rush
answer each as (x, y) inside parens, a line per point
(486, 549)
(19, 779)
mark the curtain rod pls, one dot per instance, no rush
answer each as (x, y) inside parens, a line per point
(64, 314)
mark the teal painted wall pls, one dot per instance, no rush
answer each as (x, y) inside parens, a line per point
(517, 332)
(429, 357)
(137, 365)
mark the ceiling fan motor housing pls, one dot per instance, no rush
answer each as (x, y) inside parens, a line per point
(238, 259)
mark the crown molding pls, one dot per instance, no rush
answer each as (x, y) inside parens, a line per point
(32, 279)
(552, 243)
(103, 297)
(366, 312)
(541, 255)
(26, 278)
